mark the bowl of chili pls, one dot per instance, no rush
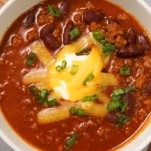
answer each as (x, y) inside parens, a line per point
(75, 76)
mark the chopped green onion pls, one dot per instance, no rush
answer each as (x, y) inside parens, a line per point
(129, 88)
(118, 92)
(53, 11)
(88, 79)
(125, 70)
(77, 111)
(123, 106)
(119, 104)
(74, 69)
(74, 33)
(52, 102)
(121, 120)
(34, 90)
(40, 100)
(98, 36)
(81, 112)
(113, 105)
(44, 93)
(73, 110)
(31, 58)
(115, 97)
(71, 140)
(108, 49)
(103, 42)
(83, 52)
(63, 66)
(58, 68)
(90, 98)
(41, 96)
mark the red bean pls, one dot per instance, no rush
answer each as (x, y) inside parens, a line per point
(144, 41)
(64, 8)
(30, 19)
(93, 16)
(66, 37)
(131, 104)
(130, 52)
(131, 38)
(46, 30)
(111, 118)
(51, 42)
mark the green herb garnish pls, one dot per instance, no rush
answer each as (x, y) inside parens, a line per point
(120, 105)
(74, 33)
(118, 92)
(73, 110)
(90, 98)
(74, 69)
(31, 58)
(98, 36)
(107, 48)
(34, 90)
(125, 70)
(53, 11)
(129, 88)
(89, 78)
(122, 120)
(52, 102)
(41, 95)
(63, 66)
(71, 140)
(77, 111)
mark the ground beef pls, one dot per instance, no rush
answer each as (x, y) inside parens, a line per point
(147, 61)
(78, 20)
(123, 17)
(16, 41)
(141, 76)
(114, 34)
(115, 65)
(32, 35)
(57, 33)
(89, 5)
(45, 17)
(94, 26)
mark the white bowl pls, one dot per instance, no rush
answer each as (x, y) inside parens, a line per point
(7, 15)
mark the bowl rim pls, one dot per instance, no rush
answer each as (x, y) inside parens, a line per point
(14, 146)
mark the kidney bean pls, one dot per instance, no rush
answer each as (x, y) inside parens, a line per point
(64, 8)
(131, 38)
(93, 16)
(131, 104)
(148, 87)
(144, 42)
(30, 19)
(66, 37)
(111, 118)
(51, 42)
(46, 30)
(129, 52)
